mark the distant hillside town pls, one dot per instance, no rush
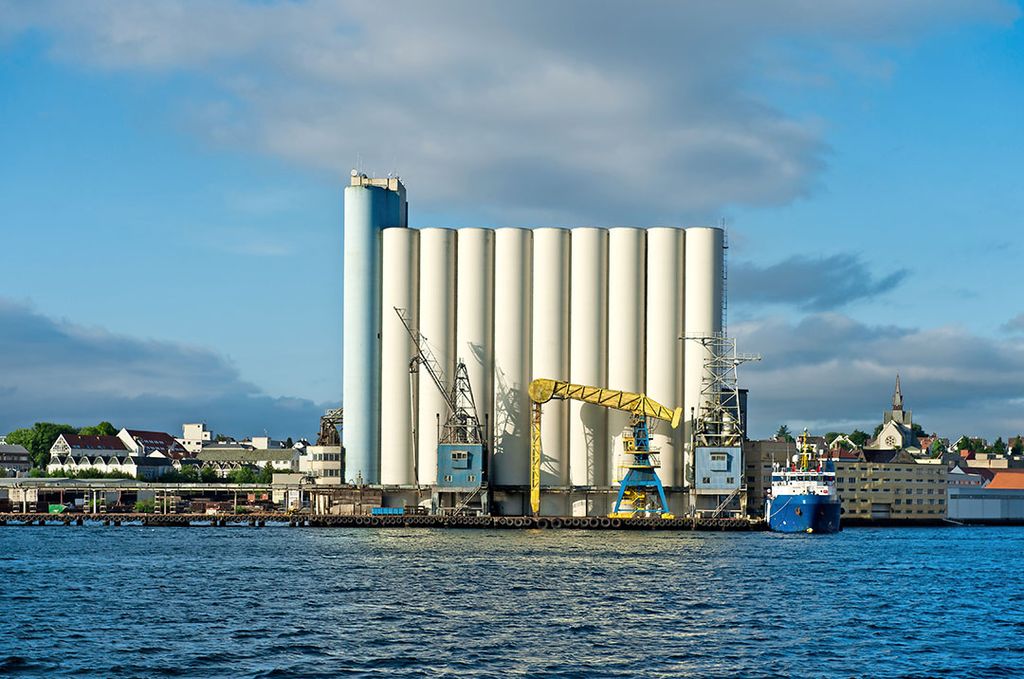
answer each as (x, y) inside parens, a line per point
(196, 456)
(902, 474)
(896, 474)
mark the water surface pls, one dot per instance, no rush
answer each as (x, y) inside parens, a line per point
(283, 602)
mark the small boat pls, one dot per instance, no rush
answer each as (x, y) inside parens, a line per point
(803, 497)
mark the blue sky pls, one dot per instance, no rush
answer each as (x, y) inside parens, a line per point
(171, 176)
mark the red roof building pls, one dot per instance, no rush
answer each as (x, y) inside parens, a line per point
(68, 443)
(1007, 479)
(146, 443)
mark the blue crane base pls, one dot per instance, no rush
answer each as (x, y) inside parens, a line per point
(641, 478)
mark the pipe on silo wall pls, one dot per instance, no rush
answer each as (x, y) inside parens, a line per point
(474, 333)
(437, 325)
(513, 258)
(398, 386)
(588, 357)
(627, 284)
(368, 209)
(704, 260)
(666, 250)
(551, 265)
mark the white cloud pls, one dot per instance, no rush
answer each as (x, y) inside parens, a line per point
(564, 112)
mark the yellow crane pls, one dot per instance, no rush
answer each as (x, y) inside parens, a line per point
(640, 475)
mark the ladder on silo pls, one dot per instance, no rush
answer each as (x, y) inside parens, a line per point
(725, 278)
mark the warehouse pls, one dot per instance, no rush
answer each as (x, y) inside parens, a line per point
(607, 307)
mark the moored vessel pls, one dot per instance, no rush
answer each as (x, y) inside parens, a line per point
(803, 496)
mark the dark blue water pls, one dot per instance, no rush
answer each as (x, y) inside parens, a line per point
(244, 602)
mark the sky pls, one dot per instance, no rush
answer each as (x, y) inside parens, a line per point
(171, 175)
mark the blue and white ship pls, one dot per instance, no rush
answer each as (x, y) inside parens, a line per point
(803, 497)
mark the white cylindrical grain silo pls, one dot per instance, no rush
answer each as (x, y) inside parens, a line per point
(551, 247)
(588, 356)
(666, 248)
(474, 334)
(437, 325)
(400, 273)
(704, 253)
(370, 205)
(626, 329)
(512, 356)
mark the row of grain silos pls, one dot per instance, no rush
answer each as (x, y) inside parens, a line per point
(598, 306)
(604, 307)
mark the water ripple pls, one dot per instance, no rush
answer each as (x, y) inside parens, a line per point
(179, 602)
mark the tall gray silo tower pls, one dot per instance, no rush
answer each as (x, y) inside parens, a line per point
(370, 206)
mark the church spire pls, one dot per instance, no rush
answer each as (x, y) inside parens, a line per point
(897, 397)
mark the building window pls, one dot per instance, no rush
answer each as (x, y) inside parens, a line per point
(448, 478)
(472, 477)
(730, 479)
(706, 480)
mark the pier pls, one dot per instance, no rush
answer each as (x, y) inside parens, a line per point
(294, 520)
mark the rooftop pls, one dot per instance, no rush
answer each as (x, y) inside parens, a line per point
(12, 449)
(1012, 479)
(79, 442)
(247, 455)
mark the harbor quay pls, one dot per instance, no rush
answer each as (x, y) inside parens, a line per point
(298, 520)
(113, 502)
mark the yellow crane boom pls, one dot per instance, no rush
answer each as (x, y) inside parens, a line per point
(543, 390)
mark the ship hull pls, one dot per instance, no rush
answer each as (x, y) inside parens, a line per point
(803, 514)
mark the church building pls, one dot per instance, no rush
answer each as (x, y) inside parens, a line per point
(897, 428)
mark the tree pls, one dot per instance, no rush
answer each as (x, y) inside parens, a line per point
(965, 442)
(88, 474)
(859, 437)
(936, 448)
(918, 430)
(783, 434)
(288, 443)
(189, 474)
(878, 430)
(832, 436)
(242, 475)
(39, 439)
(266, 474)
(999, 446)
(1017, 445)
(209, 475)
(102, 429)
